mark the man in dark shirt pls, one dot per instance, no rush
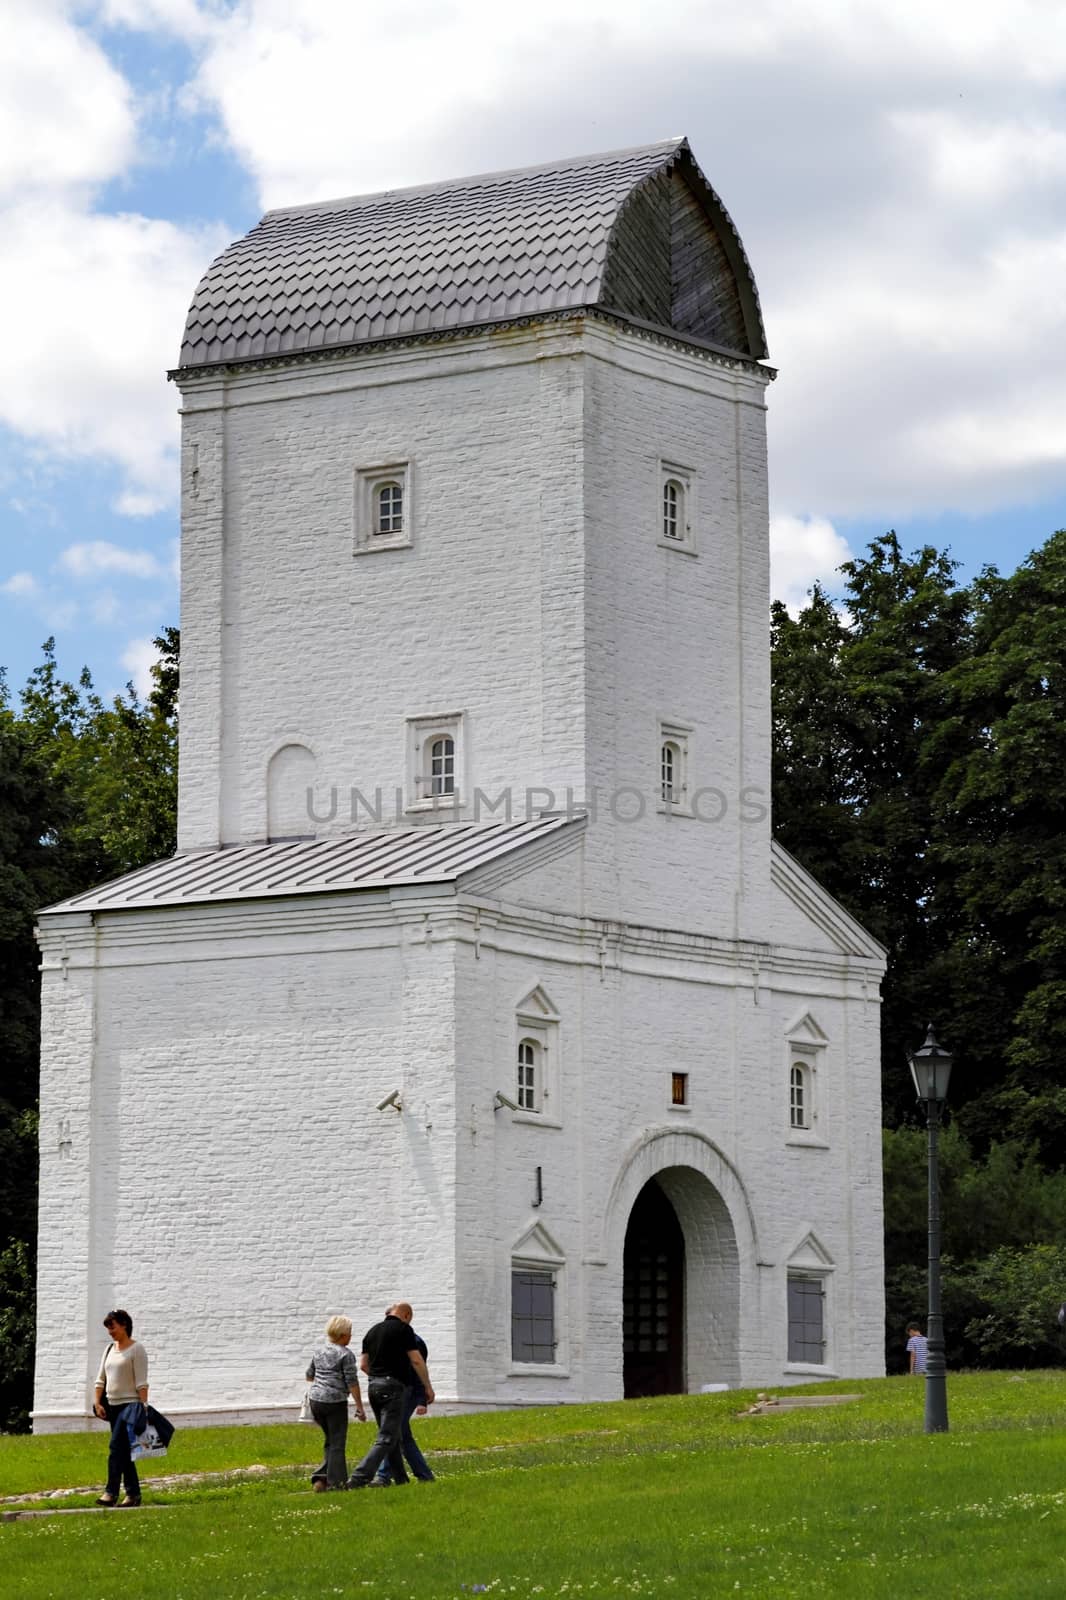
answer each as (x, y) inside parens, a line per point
(390, 1352)
(416, 1402)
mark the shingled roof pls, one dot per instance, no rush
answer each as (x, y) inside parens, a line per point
(639, 233)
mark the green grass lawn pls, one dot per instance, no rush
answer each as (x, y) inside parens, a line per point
(674, 1497)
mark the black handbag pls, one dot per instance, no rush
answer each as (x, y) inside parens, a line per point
(103, 1393)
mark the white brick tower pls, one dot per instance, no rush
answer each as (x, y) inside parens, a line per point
(476, 943)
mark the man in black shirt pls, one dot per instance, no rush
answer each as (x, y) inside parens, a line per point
(390, 1351)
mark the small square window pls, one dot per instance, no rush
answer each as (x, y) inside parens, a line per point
(434, 762)
(383, 510)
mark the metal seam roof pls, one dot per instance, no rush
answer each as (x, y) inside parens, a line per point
(435, 853)
(345, 272)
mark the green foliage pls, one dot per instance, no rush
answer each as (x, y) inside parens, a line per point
(920, 773)
(857, 697)
(1020, 1291)
(39, 863)
(1001, 812)
(1003, 1217)
(17, 1291)
(87, 791)
(119, 761)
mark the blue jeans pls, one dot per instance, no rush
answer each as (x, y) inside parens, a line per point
(121, 1467)
(415, 1459)
(388, 1398)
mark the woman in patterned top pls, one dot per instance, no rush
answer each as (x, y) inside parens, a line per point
(333, 1373)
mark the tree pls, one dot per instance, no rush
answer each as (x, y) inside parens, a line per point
(920, 773)
(1019, 1292)
(815, 801)
(858, 694)
(120, 761)
(38, 864)
(1001, 811)
(87, 791)
(1001, 1201)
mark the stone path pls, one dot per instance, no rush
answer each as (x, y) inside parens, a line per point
(769, 1402)
(172, 1480)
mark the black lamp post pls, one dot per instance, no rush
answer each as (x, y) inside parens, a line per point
(931, 1069)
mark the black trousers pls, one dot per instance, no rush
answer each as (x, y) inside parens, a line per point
(332, 1418)
(388, 1398)
(120, 1464)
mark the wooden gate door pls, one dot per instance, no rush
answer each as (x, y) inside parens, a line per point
(653, 1297)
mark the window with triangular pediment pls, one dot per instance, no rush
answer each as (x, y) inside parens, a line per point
(535, 1070)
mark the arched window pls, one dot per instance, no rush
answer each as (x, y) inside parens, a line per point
(388, 509)
(441, 772)
(797, 1097)
(670, 784)
(673, 509)
(528, 1075)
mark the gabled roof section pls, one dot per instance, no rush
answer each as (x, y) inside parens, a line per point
(436, 854)
(537, 1244)
(819, 907)
(637, 232)
(810, 1252)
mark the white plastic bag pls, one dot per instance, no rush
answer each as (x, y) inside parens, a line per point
(147, 1444)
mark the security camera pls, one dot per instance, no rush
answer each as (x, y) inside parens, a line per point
(502, 1100)
(392, 1100)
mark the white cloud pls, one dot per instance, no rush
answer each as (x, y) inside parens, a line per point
(186, 18)
(20, 584)
(101, 302)
(308, 96)
(139, 503)
(898, 189)
(926, 387)
(92, 302)
(898, 173)
(98, 556)
(138, 659)
(66, 114)
(803, 549)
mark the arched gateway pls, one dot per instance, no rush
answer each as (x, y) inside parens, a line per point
(675, 1214)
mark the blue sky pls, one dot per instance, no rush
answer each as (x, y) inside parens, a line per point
(897, 173)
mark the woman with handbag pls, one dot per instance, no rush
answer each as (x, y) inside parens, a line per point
(122, 1381)
(333, 1373)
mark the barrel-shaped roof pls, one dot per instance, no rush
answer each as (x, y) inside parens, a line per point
(637, 232)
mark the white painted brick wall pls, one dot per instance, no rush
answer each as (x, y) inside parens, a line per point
(244, 1187)
(210, 1145)
(241, 1176)
(536, 598)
